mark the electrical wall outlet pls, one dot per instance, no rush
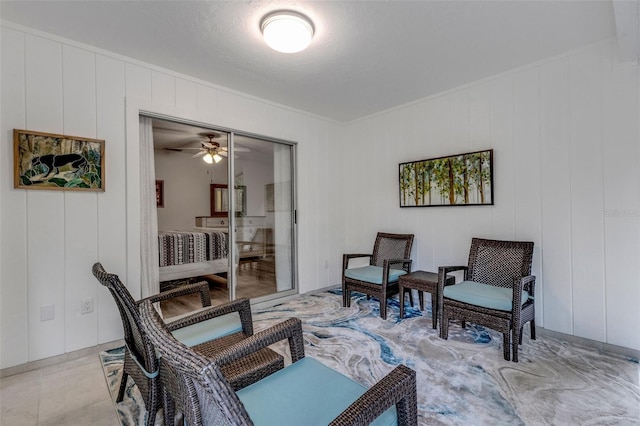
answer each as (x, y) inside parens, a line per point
(86, 305)
(47, 312)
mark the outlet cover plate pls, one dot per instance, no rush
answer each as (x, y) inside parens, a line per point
(86, 305)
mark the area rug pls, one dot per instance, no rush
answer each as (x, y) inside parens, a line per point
(461, 381)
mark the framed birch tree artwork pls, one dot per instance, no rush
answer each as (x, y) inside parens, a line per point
(58, 162)
(455, 180)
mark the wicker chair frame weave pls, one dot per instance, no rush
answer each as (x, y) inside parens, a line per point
(505, 264)
(390, 251)
(140, 352)
(209, 399)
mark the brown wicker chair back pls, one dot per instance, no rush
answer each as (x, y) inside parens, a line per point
(140, 359)
(391, 246)
(505, 264)
(499, 262)
(141, 362)
(209, 399)
(390, 251)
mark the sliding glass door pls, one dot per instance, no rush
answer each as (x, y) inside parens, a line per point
(235, 194)
(262, 172)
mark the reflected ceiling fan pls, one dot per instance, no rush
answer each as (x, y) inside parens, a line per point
(210, 151)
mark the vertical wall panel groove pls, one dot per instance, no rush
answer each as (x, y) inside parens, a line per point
(45, 213)
(81, 243)
(14, 301)
(112, 223)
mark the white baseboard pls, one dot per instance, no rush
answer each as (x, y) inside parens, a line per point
(46, 362)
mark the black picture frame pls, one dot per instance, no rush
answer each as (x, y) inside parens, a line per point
(454, 180)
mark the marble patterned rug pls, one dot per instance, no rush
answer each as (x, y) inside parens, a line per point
(461, 381)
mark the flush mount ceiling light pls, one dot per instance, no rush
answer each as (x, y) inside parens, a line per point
(287, 31)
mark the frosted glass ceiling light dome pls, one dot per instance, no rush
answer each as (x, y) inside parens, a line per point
(286, 31)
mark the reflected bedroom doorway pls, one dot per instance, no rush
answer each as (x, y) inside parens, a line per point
(193, 169)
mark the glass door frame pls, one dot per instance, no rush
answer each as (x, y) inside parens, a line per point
(232, 263)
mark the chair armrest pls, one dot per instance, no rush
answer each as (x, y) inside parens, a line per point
(349, 256)
(290, 329)
(447, 269)
(354, 255)
(242, 306)
(201, 287)
(396, 388)
(529, 284)
(444, 270)
(519, 285)
(406, 263)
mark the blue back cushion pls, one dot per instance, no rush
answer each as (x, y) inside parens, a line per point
(208, 330)
(373, 274)
(485, 295)
(305, 393)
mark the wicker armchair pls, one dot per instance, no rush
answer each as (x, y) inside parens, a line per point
(208, 331)
(379, 279)
(497, 292)
(306, 392)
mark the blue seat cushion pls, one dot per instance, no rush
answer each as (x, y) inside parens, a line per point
(209, 329)
(372, 274)
(305, 393)
(485, 295)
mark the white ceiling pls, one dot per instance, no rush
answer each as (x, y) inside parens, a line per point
(366, 56)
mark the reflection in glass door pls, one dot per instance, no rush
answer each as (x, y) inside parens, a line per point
(264, 223)
(198, 165)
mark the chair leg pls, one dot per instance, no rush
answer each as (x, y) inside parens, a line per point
(346, 298)
(434, 310)
(411, 297)
(506, 345)
(514, 343)
(464, 324)
(444, 326)
(532, 324)
(383, 307)
(123, 386)
(520, 335)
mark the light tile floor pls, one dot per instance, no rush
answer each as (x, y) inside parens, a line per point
(70, 393)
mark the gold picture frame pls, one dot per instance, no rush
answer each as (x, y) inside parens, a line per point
(57, 162)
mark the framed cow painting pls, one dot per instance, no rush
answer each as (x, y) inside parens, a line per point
(49, 161)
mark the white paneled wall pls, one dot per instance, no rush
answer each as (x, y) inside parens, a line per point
(587, 205)
(50, 239)
(621, 151)
(565, 134)
(14, 324)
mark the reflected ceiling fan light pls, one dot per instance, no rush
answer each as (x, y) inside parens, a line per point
(208, 158)
(216, 158)
(287, 31)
